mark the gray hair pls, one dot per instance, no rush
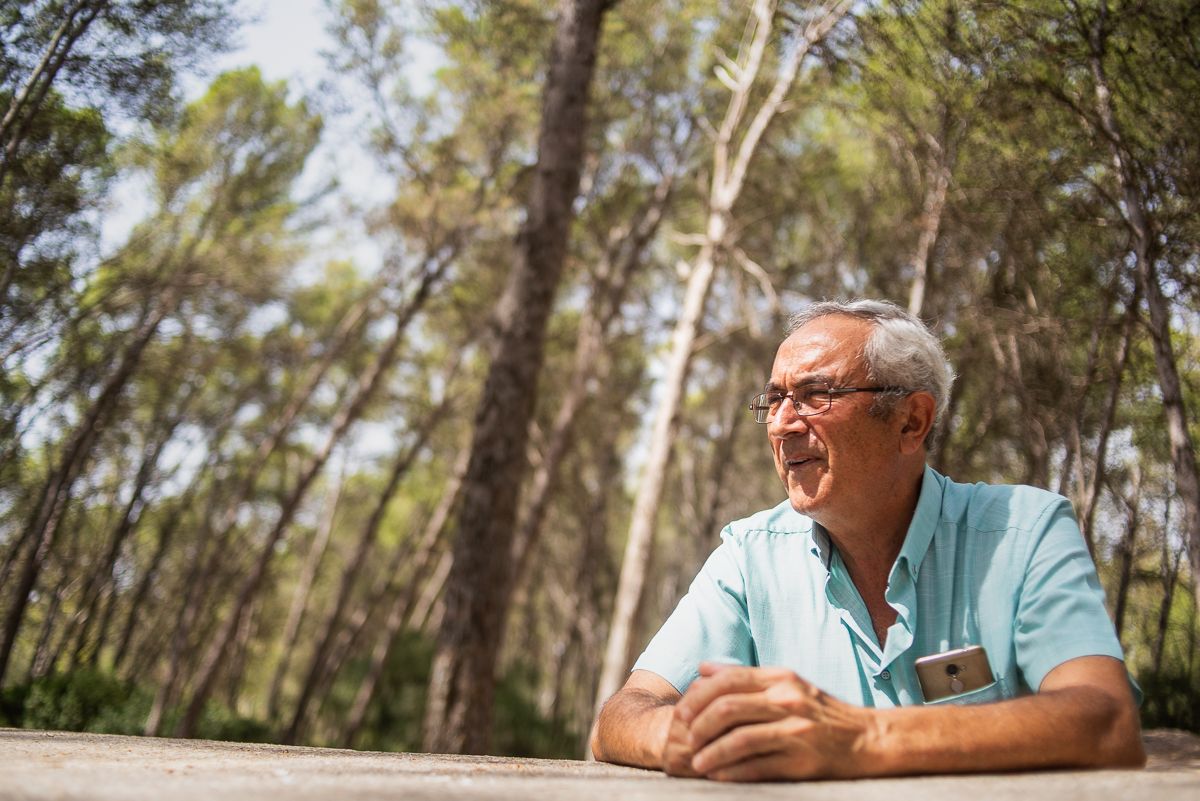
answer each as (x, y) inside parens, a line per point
(900, 352)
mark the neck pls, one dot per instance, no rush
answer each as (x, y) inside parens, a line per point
(870, 541)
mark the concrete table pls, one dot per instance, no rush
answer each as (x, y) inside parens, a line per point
(66, 765)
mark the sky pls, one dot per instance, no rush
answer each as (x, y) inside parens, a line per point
(283, 37)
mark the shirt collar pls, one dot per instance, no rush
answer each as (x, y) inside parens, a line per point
(822, 546)
(924, 522)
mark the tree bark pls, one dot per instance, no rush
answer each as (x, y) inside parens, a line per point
(403, 603)
(1169, 573)
(1127, 548)
(364, 389)
(43, 526)
(458, 715)
(28, 100)
(940, 168)
(730, 163)
(318, 664)
(1134, 208)
(589, 367)
(300, 596)
(103, 582)
(1091, 488)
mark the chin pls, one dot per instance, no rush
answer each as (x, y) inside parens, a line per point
(804, 504)
(806, 495)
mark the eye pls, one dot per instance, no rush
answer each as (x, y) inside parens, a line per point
(773, 399)
(812, 396)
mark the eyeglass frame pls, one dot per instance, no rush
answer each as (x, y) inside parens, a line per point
(831, 391)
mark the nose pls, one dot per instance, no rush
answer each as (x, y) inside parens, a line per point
(786, 420)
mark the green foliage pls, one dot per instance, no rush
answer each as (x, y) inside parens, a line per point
(84, 700)
(96, 701)
(395, 719)
(519, 728)
(1029, 279)
(1170, 701)
(394, 722)
(219, 723)
(128, 55)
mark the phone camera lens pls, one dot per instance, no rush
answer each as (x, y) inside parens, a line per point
(951, 670)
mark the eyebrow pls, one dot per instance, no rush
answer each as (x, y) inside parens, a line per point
(771, 386)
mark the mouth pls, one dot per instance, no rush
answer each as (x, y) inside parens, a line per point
(798, 461)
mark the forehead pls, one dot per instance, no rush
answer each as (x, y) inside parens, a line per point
(831, 347)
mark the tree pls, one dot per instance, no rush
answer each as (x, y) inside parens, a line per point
(458, 714)
(733, 149)
(204, 200)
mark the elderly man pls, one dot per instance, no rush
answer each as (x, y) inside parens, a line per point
(795, 652)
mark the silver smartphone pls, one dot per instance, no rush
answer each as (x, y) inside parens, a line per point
(953, 672)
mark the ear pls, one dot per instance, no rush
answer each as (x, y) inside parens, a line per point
(916, 416)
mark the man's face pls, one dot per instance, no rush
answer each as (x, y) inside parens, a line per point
(835, 462)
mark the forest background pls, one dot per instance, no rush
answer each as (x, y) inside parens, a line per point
(418, 450)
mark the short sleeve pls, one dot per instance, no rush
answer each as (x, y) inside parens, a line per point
(1060, 612)
(710, 623)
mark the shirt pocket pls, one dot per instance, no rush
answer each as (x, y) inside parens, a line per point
(984, 695)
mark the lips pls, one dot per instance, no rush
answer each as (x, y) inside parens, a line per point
(799, 461)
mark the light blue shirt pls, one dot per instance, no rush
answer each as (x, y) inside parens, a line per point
(1004, 567)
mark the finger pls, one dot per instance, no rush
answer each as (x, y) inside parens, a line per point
(760, 768)
(739, 745)
(705, 690)
(711, 668)
(730, 711)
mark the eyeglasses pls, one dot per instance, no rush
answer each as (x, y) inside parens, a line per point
(812, 398)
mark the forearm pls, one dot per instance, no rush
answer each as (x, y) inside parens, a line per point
(632, 729)
(1069, 727)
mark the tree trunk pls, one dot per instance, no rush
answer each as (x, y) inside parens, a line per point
(1091, 489)
(219, 534)
(300, 596)
(1170, 576)
(351, 321)
(590, 366)
(28, 100)
(199, 576)
(405, 602)
(1134, 208)
(364, 389)
(43, 526)
(1127, 549)
(458, 715)
(240, 653)
(318, 665)
(102, 581)
(594, 579)
(43, 653)
(166, 533)
(730, 163)
(940, 167)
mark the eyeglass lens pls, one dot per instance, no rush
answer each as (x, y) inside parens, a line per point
(808, 400)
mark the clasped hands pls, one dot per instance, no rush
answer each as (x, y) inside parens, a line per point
(749, 723)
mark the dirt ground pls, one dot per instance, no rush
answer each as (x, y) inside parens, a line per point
(68, 765)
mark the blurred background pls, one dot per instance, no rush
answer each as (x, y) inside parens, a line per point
(358, 390)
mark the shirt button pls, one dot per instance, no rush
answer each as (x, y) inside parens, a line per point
(886, 675)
